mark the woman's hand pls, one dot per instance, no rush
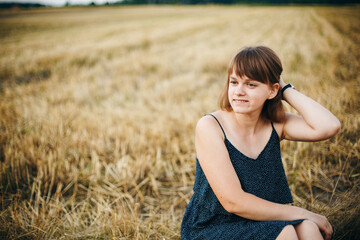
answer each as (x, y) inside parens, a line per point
(323, 223)
(281, 82)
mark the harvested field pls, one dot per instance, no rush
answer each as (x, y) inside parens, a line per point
(98, 108)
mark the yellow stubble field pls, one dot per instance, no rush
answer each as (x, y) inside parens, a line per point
(98, 108)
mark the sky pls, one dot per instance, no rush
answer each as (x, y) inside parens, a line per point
(59, 2)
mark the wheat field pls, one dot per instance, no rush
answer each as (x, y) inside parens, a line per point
(98, 108)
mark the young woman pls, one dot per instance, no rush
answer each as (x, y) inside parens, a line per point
(240, 189)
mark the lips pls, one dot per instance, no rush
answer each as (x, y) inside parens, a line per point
(240, 100)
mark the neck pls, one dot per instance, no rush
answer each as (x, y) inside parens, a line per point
(248, 123)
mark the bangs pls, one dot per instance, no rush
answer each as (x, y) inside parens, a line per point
(251, 63)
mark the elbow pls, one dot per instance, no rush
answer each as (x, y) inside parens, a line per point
(338, 127)
(334, 128)
(329, 130)
(234, 205)
(229, 206)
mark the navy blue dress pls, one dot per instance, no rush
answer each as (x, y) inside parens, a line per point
(205, 217)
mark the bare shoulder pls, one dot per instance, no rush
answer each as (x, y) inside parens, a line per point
(207, 126)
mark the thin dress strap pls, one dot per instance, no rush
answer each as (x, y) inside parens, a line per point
(273, 125)
(218, 123)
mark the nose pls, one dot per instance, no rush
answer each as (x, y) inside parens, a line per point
(240, 90)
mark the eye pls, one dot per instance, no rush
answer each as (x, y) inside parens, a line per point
(233, 82)
(252, 85)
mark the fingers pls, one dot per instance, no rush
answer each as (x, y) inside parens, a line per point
(328, 229)
(281, 81)
(326, 234)
(325, 226)
(330, 232)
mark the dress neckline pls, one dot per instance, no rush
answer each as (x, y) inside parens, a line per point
(263, 150)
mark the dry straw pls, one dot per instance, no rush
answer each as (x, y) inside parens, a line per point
(98, 108)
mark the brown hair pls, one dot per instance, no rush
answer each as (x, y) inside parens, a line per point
(259, 63)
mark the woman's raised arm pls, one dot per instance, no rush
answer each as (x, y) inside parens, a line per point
(315, 123)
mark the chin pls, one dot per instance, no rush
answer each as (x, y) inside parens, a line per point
(239, 110)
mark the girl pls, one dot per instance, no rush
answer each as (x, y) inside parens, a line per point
(240, 189)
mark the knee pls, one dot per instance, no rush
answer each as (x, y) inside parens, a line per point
(288, 233)
(308, 226)
(308, 230)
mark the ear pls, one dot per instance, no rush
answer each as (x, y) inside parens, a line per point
(273, 90)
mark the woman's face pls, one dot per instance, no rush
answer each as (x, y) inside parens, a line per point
(248, 96)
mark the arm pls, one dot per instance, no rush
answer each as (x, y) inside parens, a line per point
(220, 173)
(315, 123)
